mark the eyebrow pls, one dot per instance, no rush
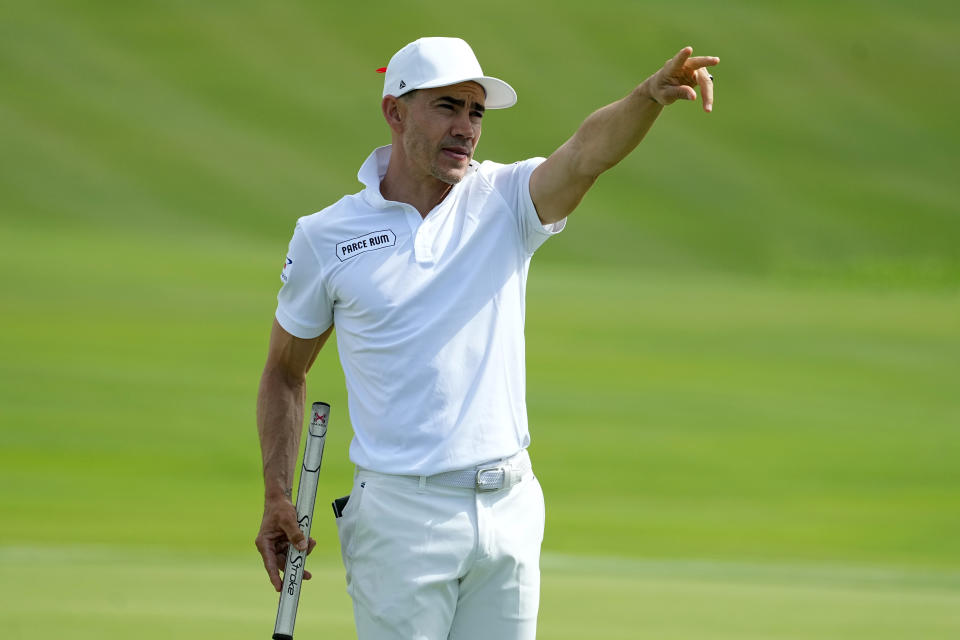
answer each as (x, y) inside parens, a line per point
(461, 103)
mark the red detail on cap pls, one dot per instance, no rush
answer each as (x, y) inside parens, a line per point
(382, 70)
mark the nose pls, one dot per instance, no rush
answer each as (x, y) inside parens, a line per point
(463, 126)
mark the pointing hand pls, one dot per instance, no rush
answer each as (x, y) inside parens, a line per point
(678, 77)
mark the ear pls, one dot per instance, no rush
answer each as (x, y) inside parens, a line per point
(394, 112)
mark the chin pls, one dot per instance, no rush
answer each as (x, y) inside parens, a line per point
(450, 177)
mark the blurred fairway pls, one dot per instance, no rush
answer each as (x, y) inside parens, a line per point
(743, 354)
(109, 593)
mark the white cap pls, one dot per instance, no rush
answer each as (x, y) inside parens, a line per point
(440, 62)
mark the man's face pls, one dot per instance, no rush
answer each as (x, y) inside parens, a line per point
(442, 129)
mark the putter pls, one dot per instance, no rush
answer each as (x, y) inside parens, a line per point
(306, 497)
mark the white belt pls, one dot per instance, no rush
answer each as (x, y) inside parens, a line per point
(492, 476)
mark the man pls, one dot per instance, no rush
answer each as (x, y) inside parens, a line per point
(423, 273)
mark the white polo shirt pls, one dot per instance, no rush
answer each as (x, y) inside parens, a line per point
(429, 314)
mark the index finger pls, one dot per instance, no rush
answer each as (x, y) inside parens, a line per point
(270, 564)
(699, 62)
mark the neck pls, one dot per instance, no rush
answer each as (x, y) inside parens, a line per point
(423, 192)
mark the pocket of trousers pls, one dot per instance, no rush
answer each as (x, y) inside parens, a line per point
(339, 504)
(347, 523)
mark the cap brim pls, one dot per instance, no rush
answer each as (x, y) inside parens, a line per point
(500, 95)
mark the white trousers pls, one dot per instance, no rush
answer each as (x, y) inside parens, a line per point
(429, 562)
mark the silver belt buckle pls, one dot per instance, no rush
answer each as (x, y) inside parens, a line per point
(486, 483)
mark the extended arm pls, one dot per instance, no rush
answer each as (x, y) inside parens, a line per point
(280, 403)
(610, 133)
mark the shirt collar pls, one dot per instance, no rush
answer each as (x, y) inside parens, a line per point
(371, 173)
(375, 167)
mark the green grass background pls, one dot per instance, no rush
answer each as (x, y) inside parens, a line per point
(743, 353)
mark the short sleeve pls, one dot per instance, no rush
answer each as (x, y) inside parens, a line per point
(512, 181)
(303, 306)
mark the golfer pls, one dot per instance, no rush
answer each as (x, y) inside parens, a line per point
(423, 273)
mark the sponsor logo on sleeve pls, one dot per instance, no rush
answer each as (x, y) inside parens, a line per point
(285, 274)
(362, 244)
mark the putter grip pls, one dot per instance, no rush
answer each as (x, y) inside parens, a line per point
(306, 497)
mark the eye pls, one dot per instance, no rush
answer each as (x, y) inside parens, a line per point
(476, 114)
